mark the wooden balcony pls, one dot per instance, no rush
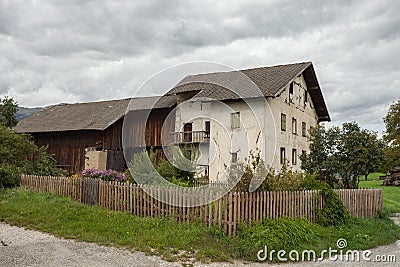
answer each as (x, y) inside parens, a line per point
(192, 137)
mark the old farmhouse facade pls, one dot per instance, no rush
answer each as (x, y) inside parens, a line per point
(218, 117)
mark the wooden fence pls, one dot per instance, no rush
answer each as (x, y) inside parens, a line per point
(227, 211)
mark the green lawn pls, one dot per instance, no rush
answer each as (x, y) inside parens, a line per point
(181, 241)
(391, 194)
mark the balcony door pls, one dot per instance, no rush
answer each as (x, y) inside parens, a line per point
(208, 128)
(187, 132)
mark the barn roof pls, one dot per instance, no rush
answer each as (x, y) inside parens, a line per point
(88, 116)
(269, 81)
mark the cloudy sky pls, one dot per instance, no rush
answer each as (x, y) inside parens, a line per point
(75, 51)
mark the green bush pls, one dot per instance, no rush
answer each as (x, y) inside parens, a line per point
(42, 164)
(269, 179)
(145, 166)
(19, 152)
(288, 179)
(382, 214)
(310, 182)
(334, 212)
(9, 177)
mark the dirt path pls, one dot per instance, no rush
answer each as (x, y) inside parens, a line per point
(21, 247)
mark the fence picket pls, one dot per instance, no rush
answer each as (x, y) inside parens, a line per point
(225, 212)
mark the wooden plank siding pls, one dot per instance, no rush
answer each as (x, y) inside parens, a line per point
(68, 147)
(152, 129)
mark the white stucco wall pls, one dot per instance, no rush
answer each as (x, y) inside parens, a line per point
(294, 107)
(260, 127)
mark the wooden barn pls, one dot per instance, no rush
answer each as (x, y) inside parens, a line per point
(71, 131)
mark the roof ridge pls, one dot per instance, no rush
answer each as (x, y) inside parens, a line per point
(103, 101)
(252, 68)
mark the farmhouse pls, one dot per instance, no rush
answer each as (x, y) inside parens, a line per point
(218, 117)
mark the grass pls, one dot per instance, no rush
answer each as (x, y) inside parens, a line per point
(391, 194)
(184, 242)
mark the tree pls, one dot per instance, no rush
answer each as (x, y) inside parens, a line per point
(8, 108)
(375, 157)
(321, 158)
(346, 152)
(15, 148)
(19, 154)
(392, 136)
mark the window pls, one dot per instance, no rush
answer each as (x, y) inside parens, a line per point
(283, 122)
(234, 157)
(294, 126)
(303, 129)
(235, 120)
(283, 155)
(291, 88)
(294, 156)
(305, 97)
(208, 128)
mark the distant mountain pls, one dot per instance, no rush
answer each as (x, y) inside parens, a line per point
(22, 112)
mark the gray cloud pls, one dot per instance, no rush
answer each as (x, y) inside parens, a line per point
(69, 51)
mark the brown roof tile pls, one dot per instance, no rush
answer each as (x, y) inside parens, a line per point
(250, 83)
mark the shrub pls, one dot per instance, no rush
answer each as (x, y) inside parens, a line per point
(270, 180)
(42, 164)
(9, 177)
(334, 212)
(382, 214)
(21, 153)
(144, 165)
(288, 179)
(105, 175)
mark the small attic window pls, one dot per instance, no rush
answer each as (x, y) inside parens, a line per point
(291, 88)
(235, 120)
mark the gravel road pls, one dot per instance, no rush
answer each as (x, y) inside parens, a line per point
(21, 247)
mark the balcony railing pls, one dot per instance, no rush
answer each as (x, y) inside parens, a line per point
(190, 137)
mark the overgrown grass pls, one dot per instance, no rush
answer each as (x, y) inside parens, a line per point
(391, 194)
(65, 218)
(181, 241)
(301, 235)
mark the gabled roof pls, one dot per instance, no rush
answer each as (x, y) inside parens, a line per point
(88, 116)
(271, 81)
